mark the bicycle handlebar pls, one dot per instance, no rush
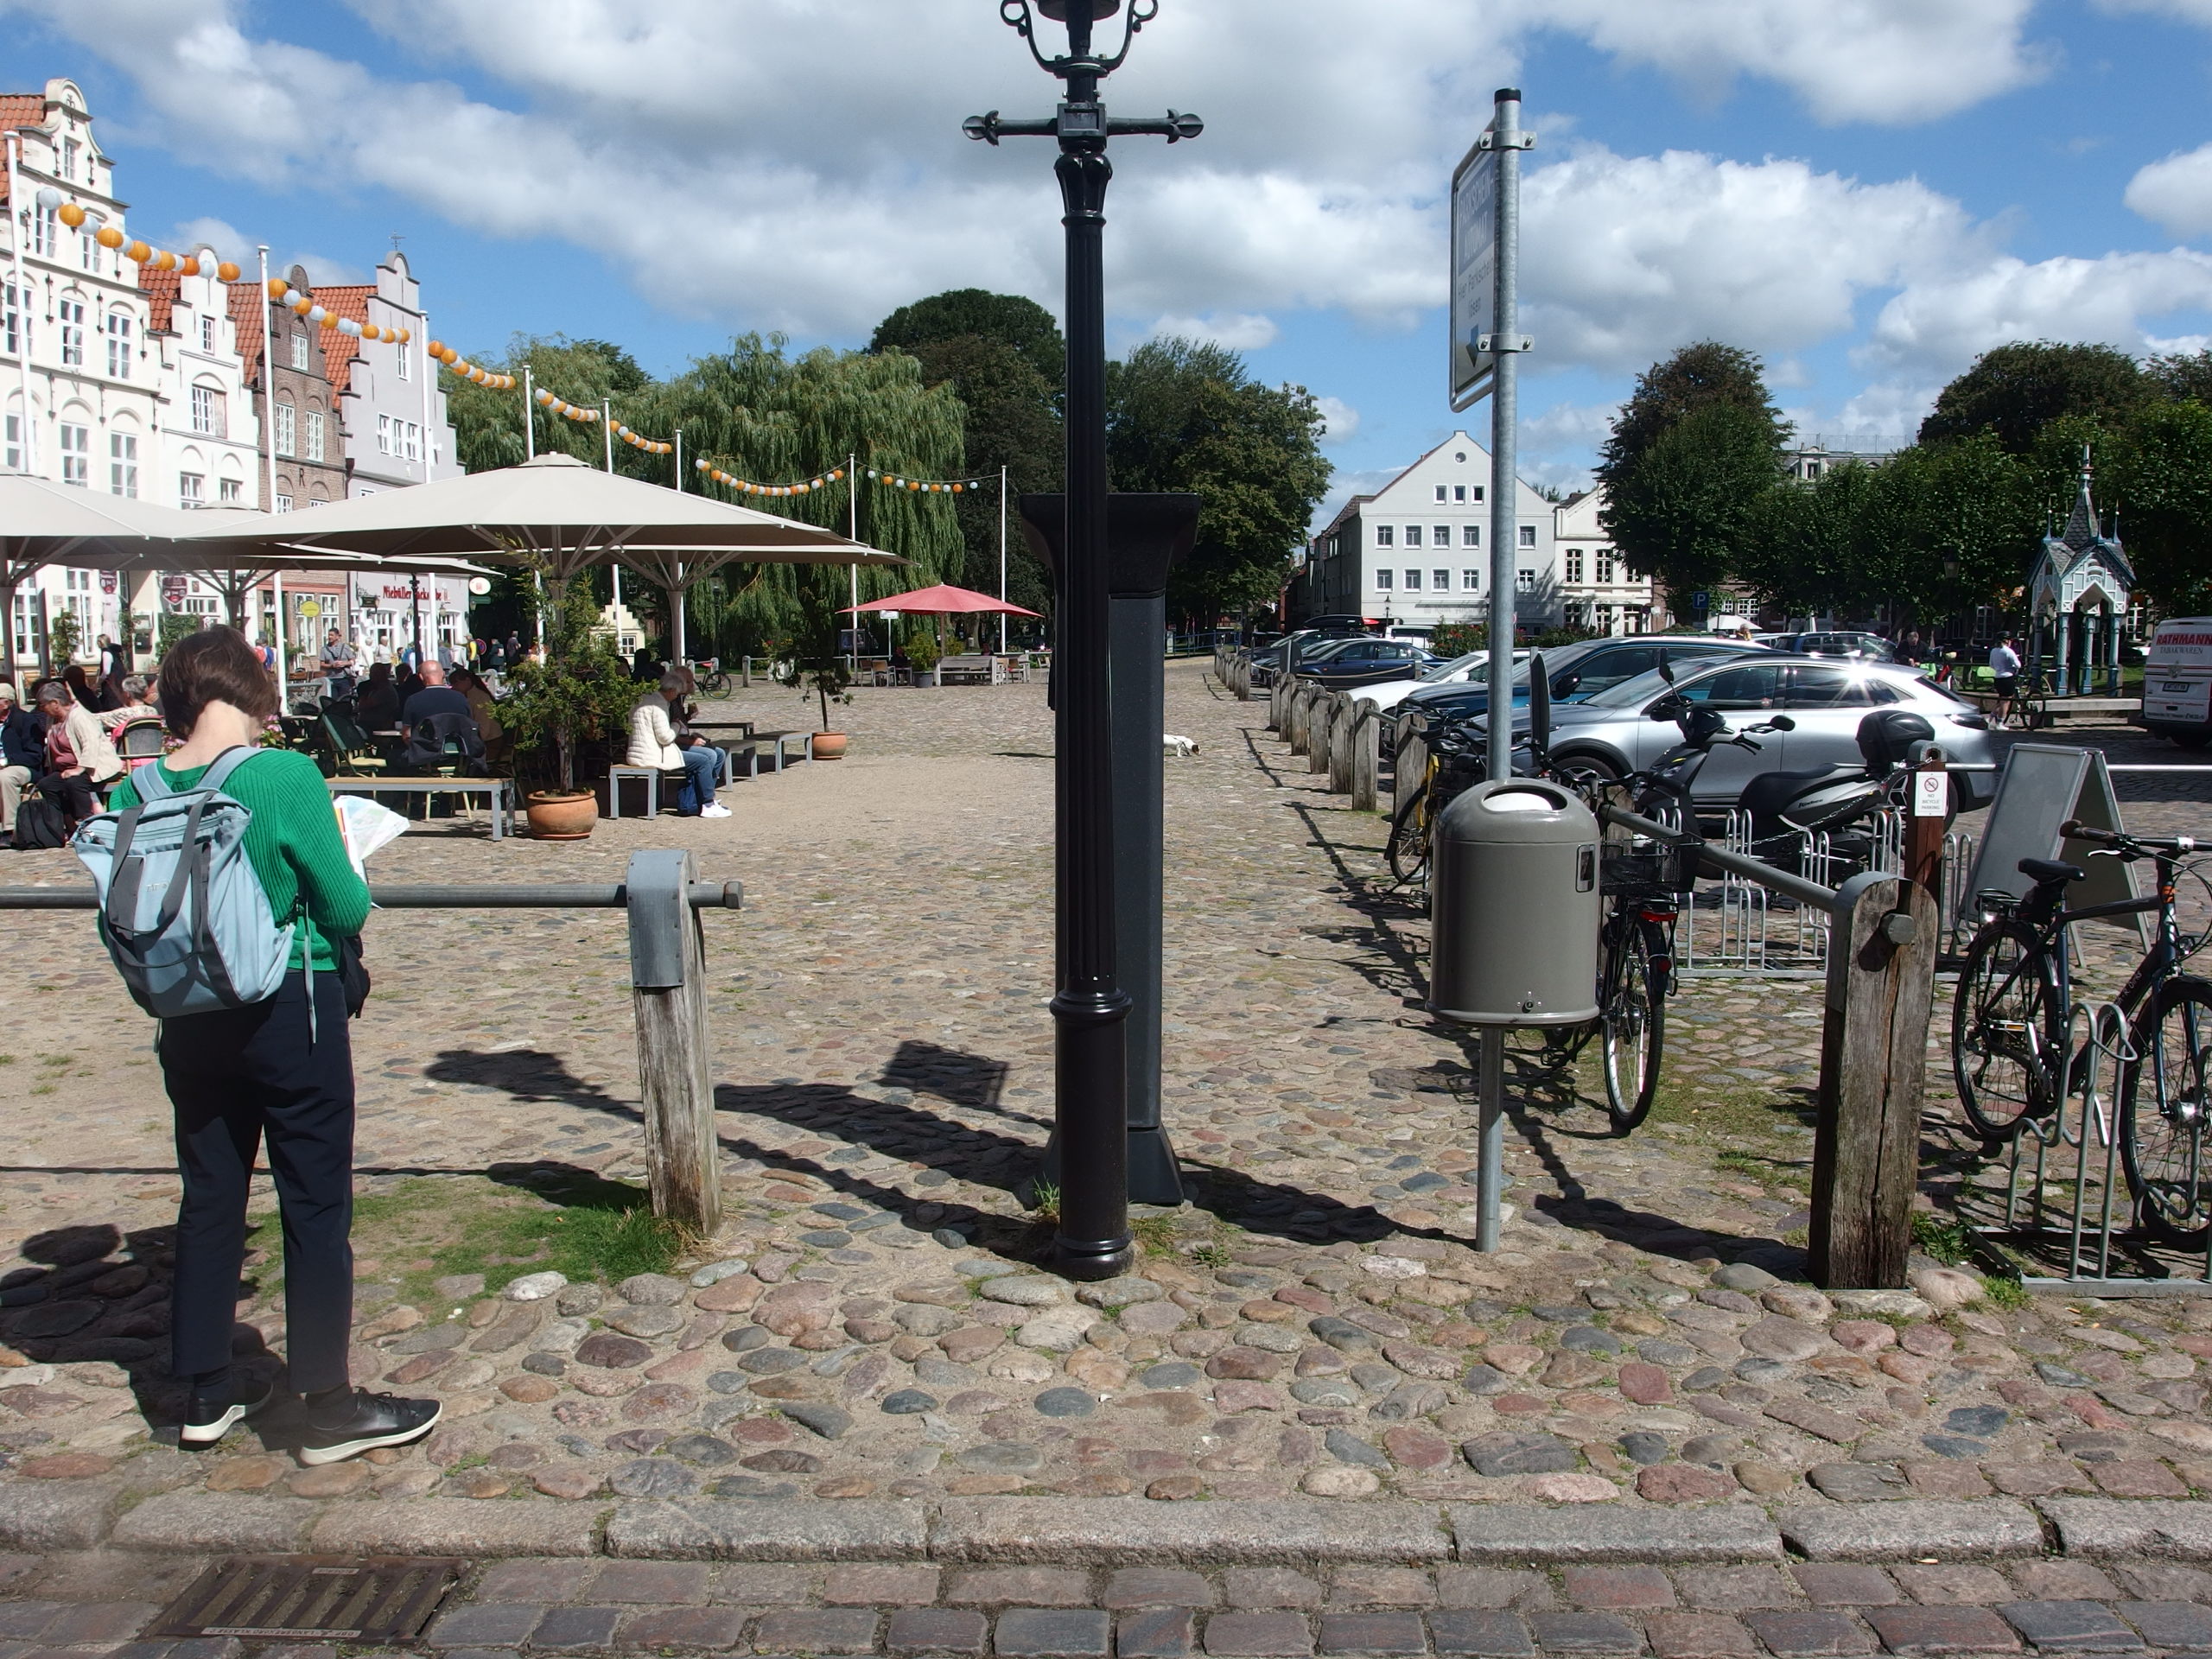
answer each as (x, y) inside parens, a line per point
(2074, 829)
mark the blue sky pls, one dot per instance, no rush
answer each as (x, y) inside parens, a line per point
(1868, 192)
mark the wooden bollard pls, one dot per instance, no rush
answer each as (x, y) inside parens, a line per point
(1883, 939)
(1298, 711)
(1320, 721)
(1366, 757)
(1278, 696)
(667, 980)
(1343, 728)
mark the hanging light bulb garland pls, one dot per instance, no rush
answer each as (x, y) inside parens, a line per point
(822, 480)
(460, 365)
(107, 236)
(304, 303)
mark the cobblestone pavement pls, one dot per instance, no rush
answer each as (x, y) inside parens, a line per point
(869, 1325)
(1803, 1610)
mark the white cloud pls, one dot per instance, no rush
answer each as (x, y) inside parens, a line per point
(1565, 426)
(231, 243)
(1894, 61)
(680, 128)
(1240, 331)
(1339, 419)
(1941, 323)
(2176, 194)
(1633, 256)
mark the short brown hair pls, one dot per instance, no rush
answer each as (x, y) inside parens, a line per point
(212, 665)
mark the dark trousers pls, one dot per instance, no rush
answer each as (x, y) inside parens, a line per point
(73, 795)
(235, 1077)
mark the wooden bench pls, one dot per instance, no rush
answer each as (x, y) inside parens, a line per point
(499, 791)
(771, 745)
(975, 670)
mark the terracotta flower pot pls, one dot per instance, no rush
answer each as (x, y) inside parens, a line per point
(555, 815)
(830, 746)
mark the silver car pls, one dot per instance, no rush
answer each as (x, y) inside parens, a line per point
(1616, 731)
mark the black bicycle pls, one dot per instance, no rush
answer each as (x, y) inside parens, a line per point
(2014, 1061)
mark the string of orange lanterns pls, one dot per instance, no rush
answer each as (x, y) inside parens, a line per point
(822, 480)
(300, 300)
(107, 236)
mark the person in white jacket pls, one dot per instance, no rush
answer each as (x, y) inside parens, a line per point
(655, 742)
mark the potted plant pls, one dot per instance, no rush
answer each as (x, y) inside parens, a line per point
(814, 666)
(922, 652)
(581, 691)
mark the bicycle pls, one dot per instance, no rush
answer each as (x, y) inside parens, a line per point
(2012, 1054)
(1455, 762)
(712, 679)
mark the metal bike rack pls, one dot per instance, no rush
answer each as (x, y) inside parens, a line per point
(2086, 1129)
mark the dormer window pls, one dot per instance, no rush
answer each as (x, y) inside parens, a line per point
(299, 348)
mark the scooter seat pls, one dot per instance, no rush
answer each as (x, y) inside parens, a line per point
(1764, 795)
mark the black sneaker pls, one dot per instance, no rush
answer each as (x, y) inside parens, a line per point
(206, 1420)
(368, 1422)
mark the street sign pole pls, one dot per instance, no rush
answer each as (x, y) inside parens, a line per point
(1486, 345)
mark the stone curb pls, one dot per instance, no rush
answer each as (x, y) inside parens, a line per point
(1874, 1532)
(1114, 1532)
(1103, 1532)
(457, 1526)
(2103, 1526)
(1528, 1534)
(38, 1517)
(717, 1529)
(199, 1522)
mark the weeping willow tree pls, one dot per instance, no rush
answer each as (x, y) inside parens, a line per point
(762, 415)
(488, 424)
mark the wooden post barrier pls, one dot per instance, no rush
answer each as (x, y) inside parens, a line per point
(1321, 719)
(1366, 758)
(1278, 690)
(667, 980)
(1242, 683)
(1931, 815)
(1882, 938)
(1297, 708)
(1343, 732)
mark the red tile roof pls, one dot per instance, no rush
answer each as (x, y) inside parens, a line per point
(339, 347)
(22, 110)
(161, 288)
(246, 320)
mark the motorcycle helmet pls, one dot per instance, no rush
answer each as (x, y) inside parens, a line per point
(1886, 738)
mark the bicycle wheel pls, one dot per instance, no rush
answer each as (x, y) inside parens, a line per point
(715, 685)
(1633, 1021)
(2005, 1021)
(1408, 851)
(2163, 1133)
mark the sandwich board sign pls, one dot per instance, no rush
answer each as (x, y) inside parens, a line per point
(2042, 785)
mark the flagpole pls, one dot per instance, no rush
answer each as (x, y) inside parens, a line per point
(529, 415)
(852, 534)
(1002, 618)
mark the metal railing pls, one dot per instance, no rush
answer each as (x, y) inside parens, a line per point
(662, 901)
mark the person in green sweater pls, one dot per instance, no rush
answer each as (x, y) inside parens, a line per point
(272, 1072)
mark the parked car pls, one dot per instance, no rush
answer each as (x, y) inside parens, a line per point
(1361, 662)
(1848, 642)
(1471, 669)
(1310, 647)
(2177, 681)
(1573, 671)
(1630, 725)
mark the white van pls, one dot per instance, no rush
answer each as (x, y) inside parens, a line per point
(2177, 681)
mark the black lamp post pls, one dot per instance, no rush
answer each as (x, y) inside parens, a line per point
(1091, 1010)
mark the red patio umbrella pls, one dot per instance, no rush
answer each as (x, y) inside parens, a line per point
(942, 601)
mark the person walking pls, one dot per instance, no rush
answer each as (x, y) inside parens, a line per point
(337, 665)
(279, 1072)
(2005, 678)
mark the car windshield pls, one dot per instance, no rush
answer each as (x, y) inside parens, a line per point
(1629, 693)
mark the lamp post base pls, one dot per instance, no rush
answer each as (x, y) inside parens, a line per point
(1092, 1259)
(1155, 1177)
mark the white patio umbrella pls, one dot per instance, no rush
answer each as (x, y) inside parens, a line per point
(560, 515)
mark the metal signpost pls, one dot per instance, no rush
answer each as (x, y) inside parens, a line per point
(1486, 345)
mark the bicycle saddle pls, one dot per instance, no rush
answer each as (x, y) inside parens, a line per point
(2049, 872)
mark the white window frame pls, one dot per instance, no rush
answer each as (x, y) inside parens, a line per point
(288, 428)
(1382, 579)
(46, 232)
(12, 331)
(1574, 566)
(208, 413)
(1439, 495)
(1385, 535)
(71, 312)
(211, 334)
(1413, 535)
(1471, 581)
(119, 345)
(1439, 535)
(229, 492)
(1439, 582)
(76, 454)
(1412, 581)
(283, 504)
(1470, 535)
(11, 441)
(192, 490)
(1528, 535)
(316, 434)
(383, 434)
(299, 348)
(123, 464)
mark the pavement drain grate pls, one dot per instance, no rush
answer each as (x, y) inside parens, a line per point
(306, 1598)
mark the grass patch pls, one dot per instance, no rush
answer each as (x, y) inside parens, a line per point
(1155, 1235)
(1044, 1203)
(1743, 1115)
(577, 1225)
(1945, 1238)
(2004, 1291)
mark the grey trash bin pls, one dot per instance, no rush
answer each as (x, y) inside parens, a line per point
(1515, 907)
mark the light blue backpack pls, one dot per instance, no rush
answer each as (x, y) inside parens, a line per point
(181, 910)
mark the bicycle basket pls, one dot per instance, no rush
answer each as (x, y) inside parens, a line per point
(1627, 868)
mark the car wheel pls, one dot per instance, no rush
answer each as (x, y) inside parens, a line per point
(1591, 770)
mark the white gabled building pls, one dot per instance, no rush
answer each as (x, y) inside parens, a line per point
(1417, 551)
(210, 454)
(79, 388)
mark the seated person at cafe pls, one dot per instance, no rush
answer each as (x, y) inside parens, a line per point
(435, 697)
(655, 742)
(79, 760)
(377, 705)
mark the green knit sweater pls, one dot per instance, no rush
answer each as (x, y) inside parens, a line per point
(294, 844)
